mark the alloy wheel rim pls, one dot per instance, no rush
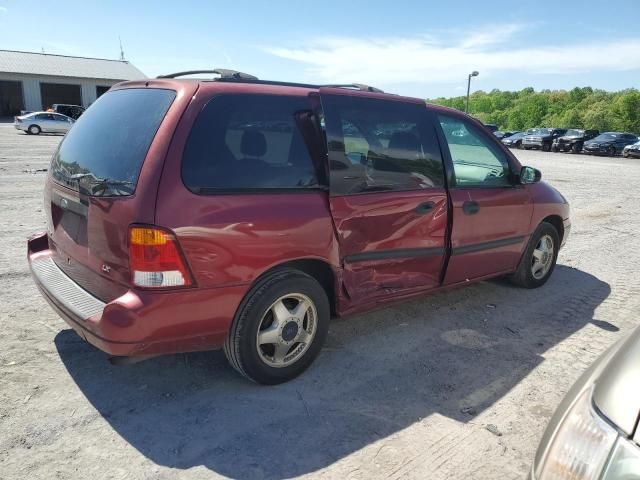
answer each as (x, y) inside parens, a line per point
(542, 257)
(286, 330)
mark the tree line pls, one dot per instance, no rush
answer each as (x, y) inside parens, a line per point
(577, 108)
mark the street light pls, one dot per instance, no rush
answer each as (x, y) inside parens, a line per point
(472, 74)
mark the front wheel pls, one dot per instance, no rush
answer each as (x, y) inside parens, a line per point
(539, 259)
(611, 151)
(34, 130)
(546, 147)
(576, 148)
(279, 328)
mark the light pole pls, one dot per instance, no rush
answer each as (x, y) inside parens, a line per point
(472, 74)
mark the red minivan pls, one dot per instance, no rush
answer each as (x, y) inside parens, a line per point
(189, 215)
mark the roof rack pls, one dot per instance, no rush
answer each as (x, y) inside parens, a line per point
(224, 73)
(235, 76)
(356, 86)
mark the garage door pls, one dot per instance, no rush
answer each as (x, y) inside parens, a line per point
(11, 98)
(101, 90)
(60, 93)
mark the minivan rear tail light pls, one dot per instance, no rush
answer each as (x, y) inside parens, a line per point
(155, 259)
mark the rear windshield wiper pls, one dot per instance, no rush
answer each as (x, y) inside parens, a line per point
(101, 185)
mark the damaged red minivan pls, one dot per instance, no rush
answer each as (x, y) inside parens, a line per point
(188, 214)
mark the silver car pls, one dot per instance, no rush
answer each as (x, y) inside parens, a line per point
(594, 433)
(43, 122)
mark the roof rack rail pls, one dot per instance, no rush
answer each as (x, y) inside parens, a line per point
(357, 86)
(225, 74)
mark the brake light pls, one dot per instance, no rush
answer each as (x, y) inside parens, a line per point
(155, 259)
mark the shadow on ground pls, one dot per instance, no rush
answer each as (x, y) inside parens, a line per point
(454, 354)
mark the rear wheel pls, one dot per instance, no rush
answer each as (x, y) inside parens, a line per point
(279, 328)
(539, 259)
(34, 130)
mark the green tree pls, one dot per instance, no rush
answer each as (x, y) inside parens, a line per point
(580, 107)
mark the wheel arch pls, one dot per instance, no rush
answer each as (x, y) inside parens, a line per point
(318, 269)
(556, 221)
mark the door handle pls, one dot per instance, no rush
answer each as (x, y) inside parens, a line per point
(470, 207)
(425, 207)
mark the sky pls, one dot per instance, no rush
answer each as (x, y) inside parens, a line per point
(419, 48)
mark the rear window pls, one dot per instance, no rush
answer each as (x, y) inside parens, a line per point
(249, 142)
(103, 153)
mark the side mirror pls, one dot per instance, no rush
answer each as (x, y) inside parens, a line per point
(529, 175)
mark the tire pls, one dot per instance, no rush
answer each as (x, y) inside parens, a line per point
(262, 363)
(524, 275)
(34, 130)
(545, 147)
(519, 145)
(611, 151)
(576, 148)
(556, 149)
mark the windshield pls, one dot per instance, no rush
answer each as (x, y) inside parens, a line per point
(103, 153)
(607, 136)
(574, 133)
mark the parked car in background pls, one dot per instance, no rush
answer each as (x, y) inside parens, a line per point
(573, 140)
(43, 122)
(632, 150)
(542, 138)
(514, 141)
(290, 221)
(594, 432)
(492, 127)
(503, 134)
(71, 111)
(609, 143)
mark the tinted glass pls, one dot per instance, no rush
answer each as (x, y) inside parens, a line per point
(574, 133)
(476, 160)
(379, 145)
(241, 142)
(103, 153)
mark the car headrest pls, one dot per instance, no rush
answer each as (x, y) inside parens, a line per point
(253, 143)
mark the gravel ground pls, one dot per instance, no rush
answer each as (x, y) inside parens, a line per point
(454, 385)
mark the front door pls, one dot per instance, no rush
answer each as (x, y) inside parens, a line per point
(387, 193)
(491, 212)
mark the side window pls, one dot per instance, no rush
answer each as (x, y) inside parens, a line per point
(476, 161)
(241, 142)
(380, 145)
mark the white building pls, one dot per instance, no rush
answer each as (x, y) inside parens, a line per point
(35, 81)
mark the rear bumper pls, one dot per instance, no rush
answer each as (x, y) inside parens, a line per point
(137, 322)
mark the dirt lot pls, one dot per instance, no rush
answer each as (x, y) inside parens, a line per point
(456, 385)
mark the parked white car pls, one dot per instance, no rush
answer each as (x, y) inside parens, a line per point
(43, 122)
